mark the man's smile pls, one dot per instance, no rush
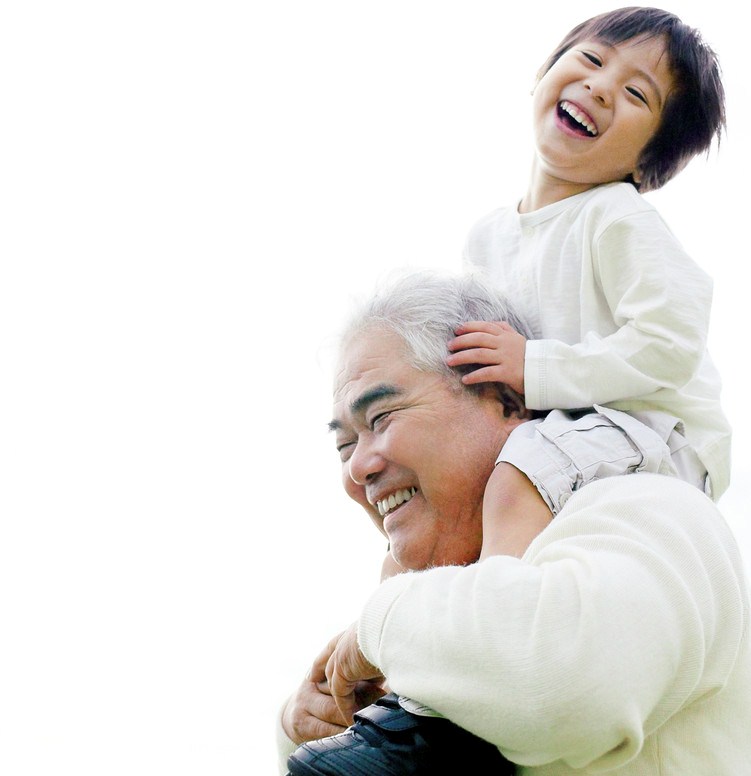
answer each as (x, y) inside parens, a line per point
(399, 497)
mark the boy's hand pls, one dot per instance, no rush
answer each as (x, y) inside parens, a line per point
(495, 345)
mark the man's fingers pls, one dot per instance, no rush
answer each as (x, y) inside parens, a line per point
(309, 716)
(317, 671)
(368, 692)
(346, 669)
(347, 705)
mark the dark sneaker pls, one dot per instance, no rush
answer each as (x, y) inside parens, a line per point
(387, 740)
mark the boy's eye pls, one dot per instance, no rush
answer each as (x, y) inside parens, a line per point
(638, 94)
(593, 58)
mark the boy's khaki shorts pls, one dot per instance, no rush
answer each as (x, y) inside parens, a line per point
(565, 451)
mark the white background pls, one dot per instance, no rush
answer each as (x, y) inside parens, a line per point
(191, 194)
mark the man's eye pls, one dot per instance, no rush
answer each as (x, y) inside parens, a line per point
(593, 58)
(378, 419)
(345, 450)
(637, 93)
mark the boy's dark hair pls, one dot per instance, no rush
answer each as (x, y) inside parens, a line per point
(694, 113)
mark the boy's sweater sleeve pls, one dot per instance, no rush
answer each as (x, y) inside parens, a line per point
(625, 609)
(656, 303)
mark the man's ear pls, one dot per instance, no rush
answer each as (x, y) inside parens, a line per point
(512, 403)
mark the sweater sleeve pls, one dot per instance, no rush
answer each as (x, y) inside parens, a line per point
(659, 303)
(626, 608)
(284, 745)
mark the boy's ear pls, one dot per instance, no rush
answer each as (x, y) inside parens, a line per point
(635, 179)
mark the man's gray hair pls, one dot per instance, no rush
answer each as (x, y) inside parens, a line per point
(425, 308)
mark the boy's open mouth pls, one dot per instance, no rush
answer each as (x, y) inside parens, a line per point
(576, 119)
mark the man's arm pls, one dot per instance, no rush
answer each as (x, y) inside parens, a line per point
(573, 652)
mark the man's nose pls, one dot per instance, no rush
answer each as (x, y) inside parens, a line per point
(366, 462)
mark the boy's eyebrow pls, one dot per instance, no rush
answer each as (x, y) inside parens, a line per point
(364, 400)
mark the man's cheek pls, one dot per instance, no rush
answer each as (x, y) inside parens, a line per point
(357, 493)
(354, 490)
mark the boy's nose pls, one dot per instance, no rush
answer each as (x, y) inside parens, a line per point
(600, 90)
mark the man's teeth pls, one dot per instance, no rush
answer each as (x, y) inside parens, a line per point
(394, 500)
(579, 117)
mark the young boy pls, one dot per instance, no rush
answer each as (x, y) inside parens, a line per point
(618, 311)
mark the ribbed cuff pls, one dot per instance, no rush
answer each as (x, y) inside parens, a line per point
(374, 614)
(534, 381)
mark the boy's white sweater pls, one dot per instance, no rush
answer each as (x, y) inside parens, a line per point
(618, 311)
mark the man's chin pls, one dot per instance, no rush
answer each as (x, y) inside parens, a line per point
(402, 555)
(411, 553)
(419, 557)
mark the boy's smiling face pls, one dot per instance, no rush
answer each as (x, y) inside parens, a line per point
(596, 109)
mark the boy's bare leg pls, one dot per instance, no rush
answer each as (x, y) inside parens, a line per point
(514, 513)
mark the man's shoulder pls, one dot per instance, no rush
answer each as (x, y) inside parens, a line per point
(645, 491)
(646, 504)
(644, 516)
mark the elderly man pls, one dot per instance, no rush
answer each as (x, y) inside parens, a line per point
(617, 641)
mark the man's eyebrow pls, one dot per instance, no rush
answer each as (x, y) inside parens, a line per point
(364, 400)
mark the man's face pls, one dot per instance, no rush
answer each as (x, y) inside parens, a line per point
(598, 106)
(416, 451)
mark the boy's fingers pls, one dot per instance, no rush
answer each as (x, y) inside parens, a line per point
(468, 327)
(488, 374)
(473, 340)
(473, 356)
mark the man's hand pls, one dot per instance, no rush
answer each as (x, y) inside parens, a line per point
(312, 712)
(495, 345)
(346, 669)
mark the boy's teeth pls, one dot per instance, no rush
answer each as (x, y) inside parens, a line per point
(394, 500)
(578, 117)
